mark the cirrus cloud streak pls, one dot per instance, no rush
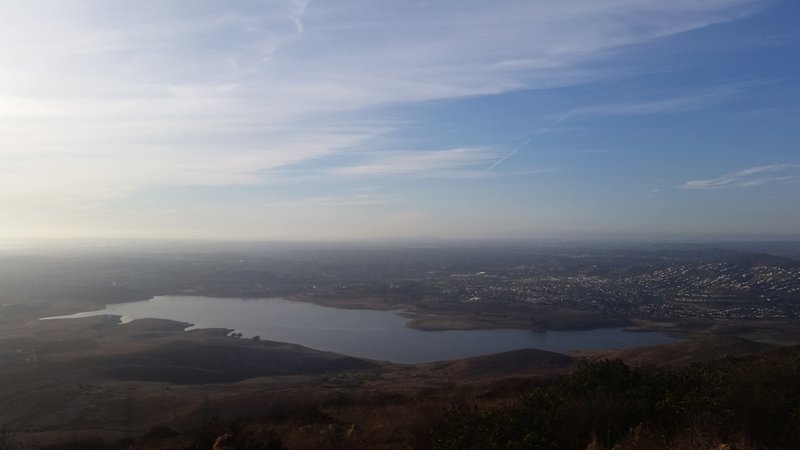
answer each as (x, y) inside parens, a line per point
(750, 177)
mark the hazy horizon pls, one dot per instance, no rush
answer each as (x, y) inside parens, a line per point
(302, 120)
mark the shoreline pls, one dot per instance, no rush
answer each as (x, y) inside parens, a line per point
(522, 318)
(444, 320)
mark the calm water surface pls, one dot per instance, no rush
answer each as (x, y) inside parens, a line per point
(381, 335)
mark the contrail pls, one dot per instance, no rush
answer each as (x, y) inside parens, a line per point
(527, 141)
(556, 123)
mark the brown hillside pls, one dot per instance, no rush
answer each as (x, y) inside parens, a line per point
(506, 363)
(702, 348)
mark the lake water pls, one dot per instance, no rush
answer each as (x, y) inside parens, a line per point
(380, 335)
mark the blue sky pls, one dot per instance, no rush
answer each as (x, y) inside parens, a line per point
(352, 119)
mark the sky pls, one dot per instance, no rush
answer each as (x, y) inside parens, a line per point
(373, 119)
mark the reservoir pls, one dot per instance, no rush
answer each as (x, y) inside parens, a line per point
(380, 335)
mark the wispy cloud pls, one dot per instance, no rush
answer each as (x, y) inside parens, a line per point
(333, 202)
(453, 163)
(695, 101)
(660, 106)
(698, 100)
(509, 155)
(218, 93)
(299, 8)
(749, 177)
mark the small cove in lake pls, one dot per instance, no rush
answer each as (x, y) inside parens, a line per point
(379, 335)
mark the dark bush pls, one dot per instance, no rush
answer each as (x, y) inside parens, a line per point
(754, 400)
